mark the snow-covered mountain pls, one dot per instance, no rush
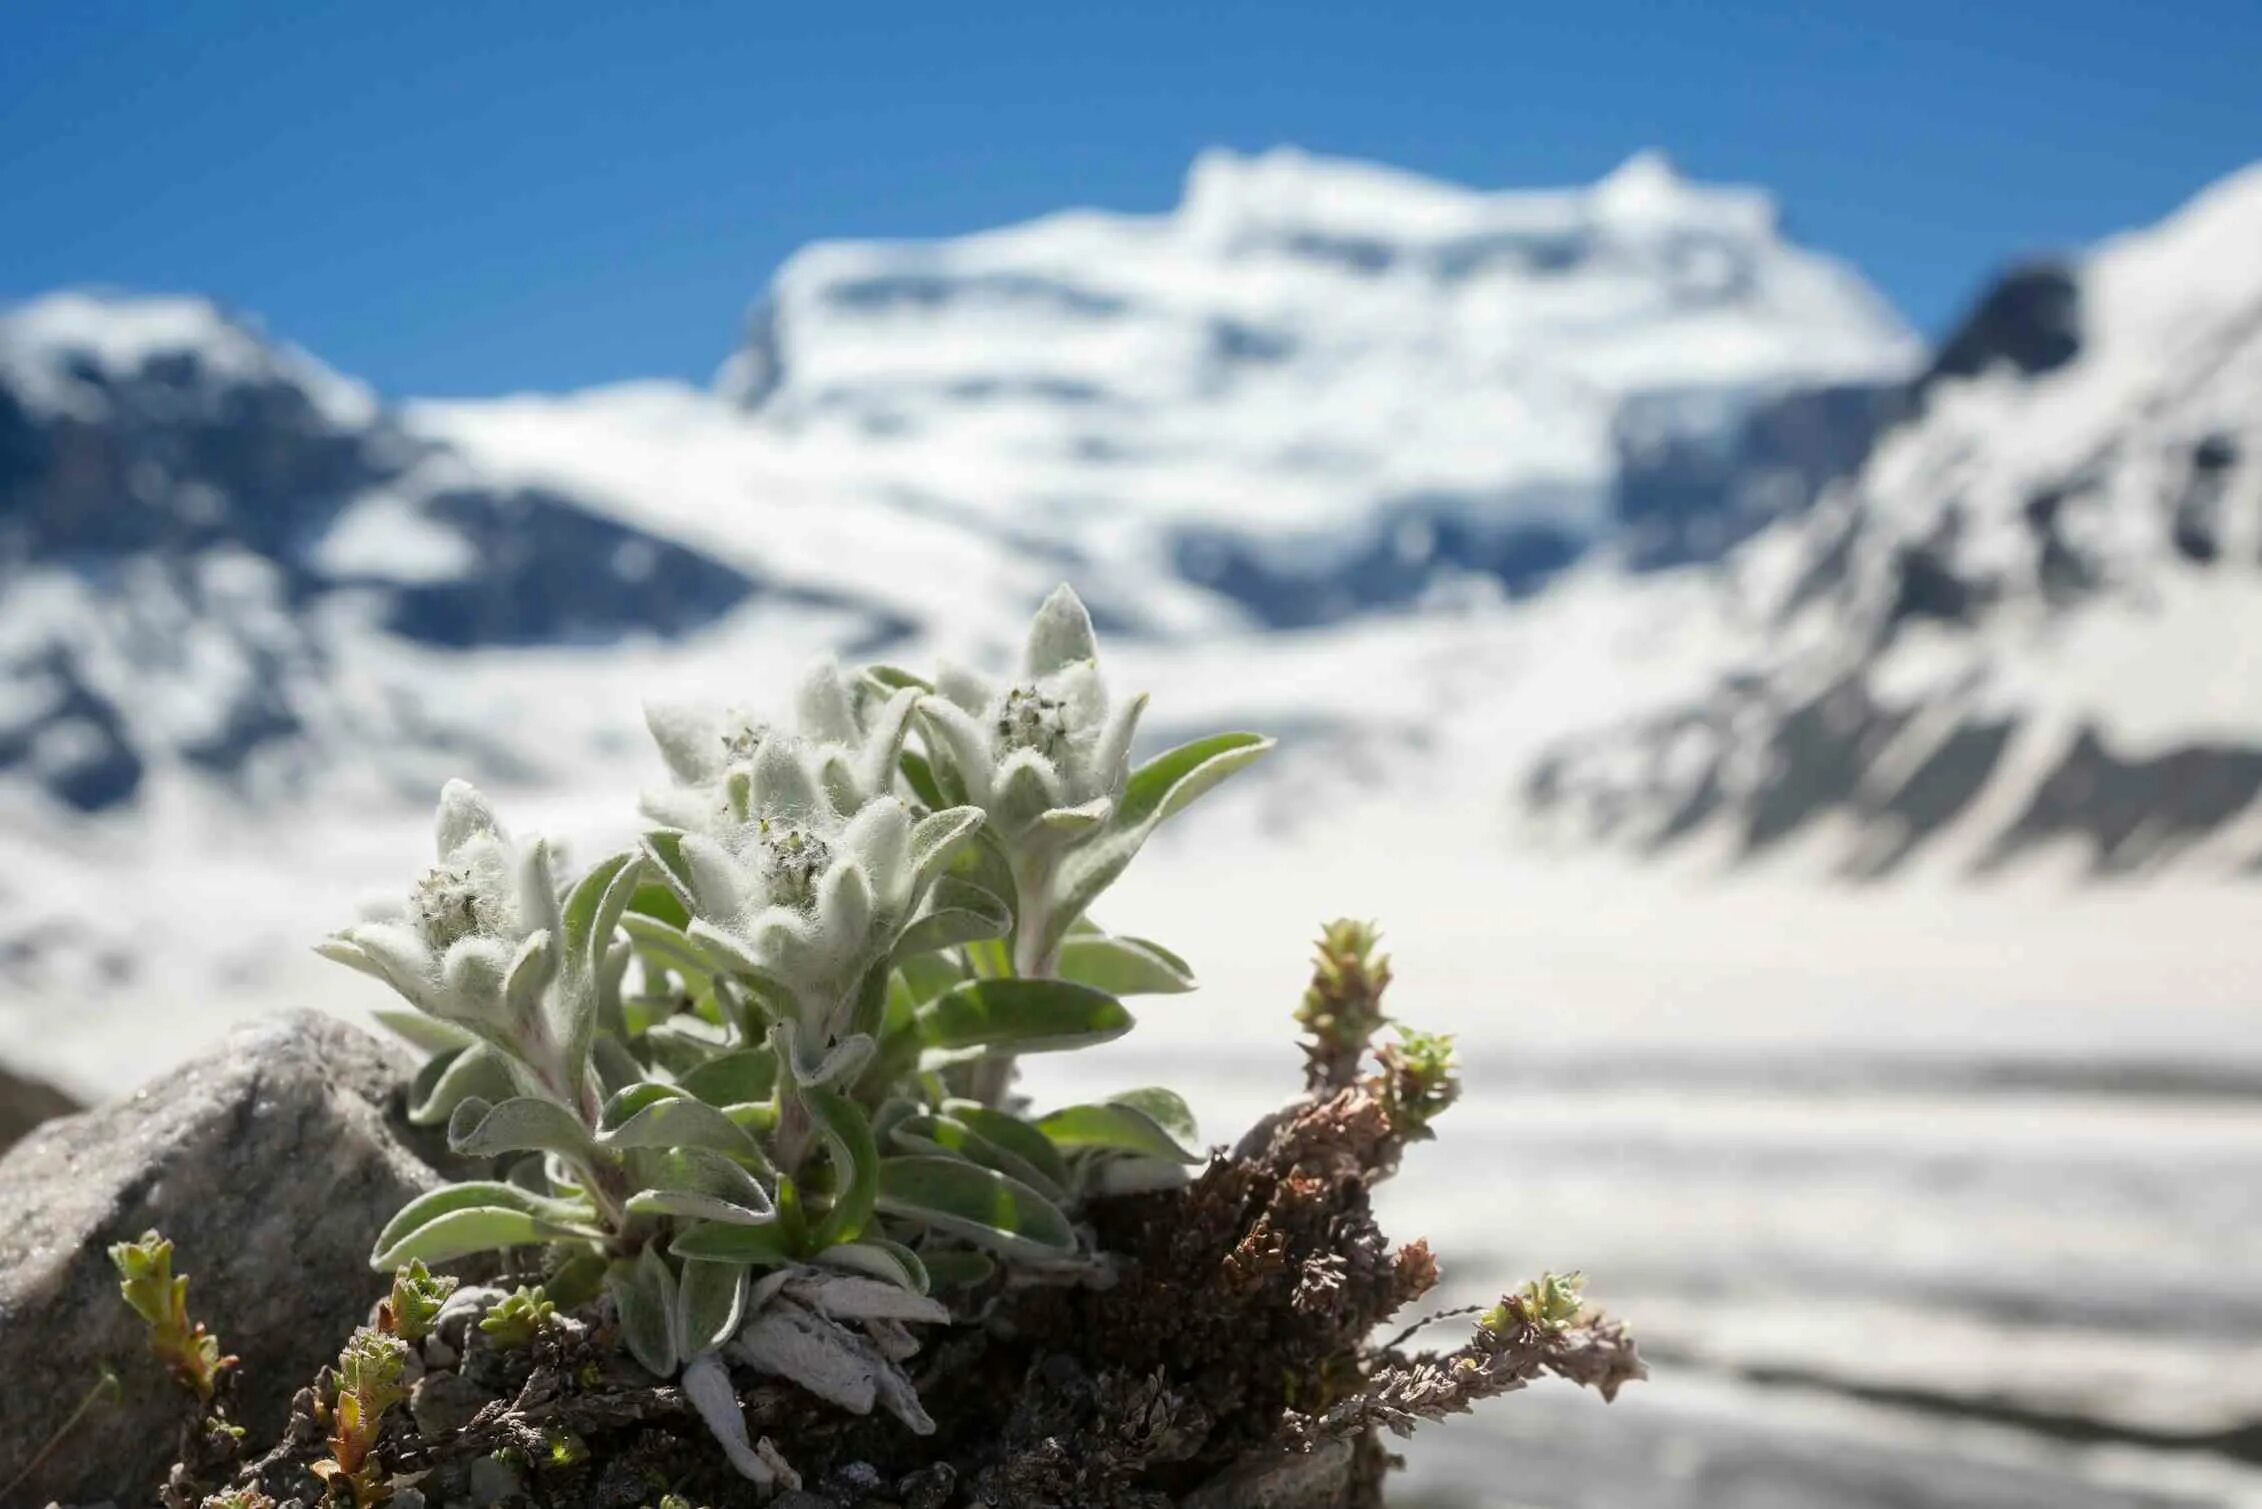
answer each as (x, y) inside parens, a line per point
(1319, 416)
(2031, 623)
(206, 538)
(1315, 387)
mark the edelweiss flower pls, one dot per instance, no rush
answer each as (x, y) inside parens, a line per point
(794, 896)
(1048, 760)
(1047, 754)
(475, 941)
(846, 731)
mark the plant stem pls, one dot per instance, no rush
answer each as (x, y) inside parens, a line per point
(791, 1142)
(1033, 959)
(105, 1390)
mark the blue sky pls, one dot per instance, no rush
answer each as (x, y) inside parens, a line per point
(472, 198)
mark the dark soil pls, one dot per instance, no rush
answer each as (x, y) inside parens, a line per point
(1235, 1330)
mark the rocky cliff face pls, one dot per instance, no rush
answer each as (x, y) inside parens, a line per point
(2026, 624)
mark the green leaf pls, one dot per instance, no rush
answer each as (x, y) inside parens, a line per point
(1163, 786)
(957, 1268)
(680, 1047)
(923, 978)
(856, 1162)
(728, 954)
(938, 839)
(664, 848)
(710, 1242)
(920, 775)
(1127, 1127)
(736, 1078)
(1171, 780)
(709, 1299)
(1022, 1016)
(1014, 1135)
(895, 678)
(594, 906)
(793, 1225)
(654, 899)
(957, 911)
(426, 1032)
(1082, 818)
(722, 1187)
(1131, 1174)
(616, 1067)
(983, 863)
(576, 1281)
(467, 1229)
(1168, 1111)
(978, 1204)
(644, 1293)
(587, 921)
(629, 1099)
(877, 1257)
(951, 1137)
(451, 1077)
(474, 1193)
(989, 959)
(693, 1205)
(531, 970)
(1123, 966)
(681, 1121)
(666, 945)
(523, 1124)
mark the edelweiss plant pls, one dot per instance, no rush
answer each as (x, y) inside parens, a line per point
(754, 1074)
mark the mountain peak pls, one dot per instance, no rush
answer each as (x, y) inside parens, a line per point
(1307, 362)
(1231, 194)
(60, 350)
(1648, 186)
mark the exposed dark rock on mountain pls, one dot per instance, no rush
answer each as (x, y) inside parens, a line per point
(2134, 814)
(552, 572)
(2028, 320)
(2017, 628)
(1689, 493)
(1417, 546)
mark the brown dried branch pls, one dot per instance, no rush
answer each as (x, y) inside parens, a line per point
(1509, 1348)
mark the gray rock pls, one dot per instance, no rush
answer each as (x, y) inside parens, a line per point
(271, 1163)
(25, 1103)
(443, 1403)
(1319, 1479)
(493, 1481)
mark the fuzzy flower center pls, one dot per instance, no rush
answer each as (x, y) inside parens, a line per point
(793, 860)
(449, 907)
(741, 737)
(1026, 717)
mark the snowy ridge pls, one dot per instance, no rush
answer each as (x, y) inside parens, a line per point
(2028, 626)
(222, 562)
(60, 352)
(1316, 386)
